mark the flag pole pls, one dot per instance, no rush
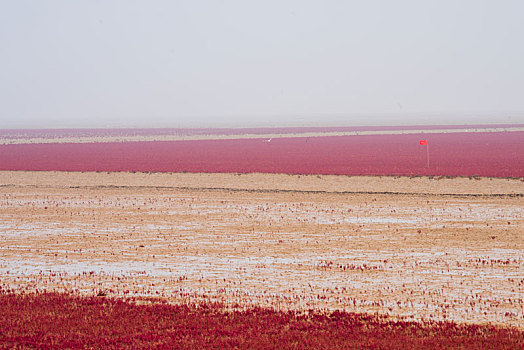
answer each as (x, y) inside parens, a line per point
(427, 152)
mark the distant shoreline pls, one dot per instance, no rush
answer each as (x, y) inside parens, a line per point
(41, 136)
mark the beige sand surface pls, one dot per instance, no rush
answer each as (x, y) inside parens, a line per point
(269, 182)
(411, 247)
(7, 141)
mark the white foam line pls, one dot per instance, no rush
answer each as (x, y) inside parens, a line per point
(107, 139)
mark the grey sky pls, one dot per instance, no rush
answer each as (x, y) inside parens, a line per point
(226, 63)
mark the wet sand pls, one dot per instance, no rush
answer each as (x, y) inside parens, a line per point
(420, 248)
(233, 136)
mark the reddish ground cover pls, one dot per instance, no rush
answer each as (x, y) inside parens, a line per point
(499, 154)
(52, 320)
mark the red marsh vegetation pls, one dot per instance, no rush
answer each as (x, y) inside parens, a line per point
(496, 154)
(51, 320)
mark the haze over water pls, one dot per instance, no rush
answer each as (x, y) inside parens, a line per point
(274, 63)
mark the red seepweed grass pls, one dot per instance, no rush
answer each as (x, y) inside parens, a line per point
(53, 320)
(495, 154)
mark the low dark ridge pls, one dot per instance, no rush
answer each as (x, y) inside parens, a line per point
(228, 189)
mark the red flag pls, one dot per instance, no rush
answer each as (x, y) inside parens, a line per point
(423, 142)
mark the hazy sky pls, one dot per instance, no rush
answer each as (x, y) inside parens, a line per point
(223, 63)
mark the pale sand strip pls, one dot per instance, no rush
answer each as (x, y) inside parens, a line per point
(268, 182)
(105, 139)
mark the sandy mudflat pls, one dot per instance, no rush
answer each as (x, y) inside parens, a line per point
(414, 247)
(268, 182)
(183, 137)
